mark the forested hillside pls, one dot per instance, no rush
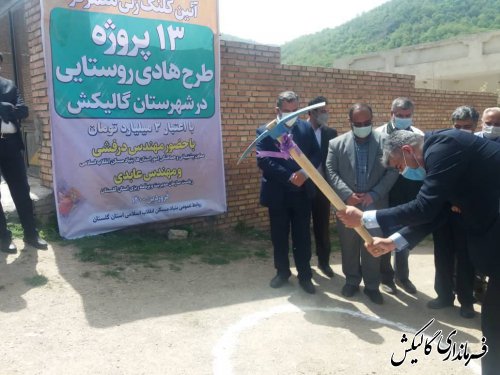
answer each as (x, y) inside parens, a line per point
(396, 23)
(234, 38)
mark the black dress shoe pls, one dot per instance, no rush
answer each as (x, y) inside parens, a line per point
(349, 290)
(407, 286)
(326, 269)
(278, 281)
(308, 286)
(467, 311)
(374, 295)
(389, 287)
(439, 303)
(36, 242)
(8, 247)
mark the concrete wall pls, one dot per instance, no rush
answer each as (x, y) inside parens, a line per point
(251, 78)
(470, 62)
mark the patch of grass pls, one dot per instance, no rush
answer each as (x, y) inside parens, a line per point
(15, 227)
(174, 267)
(261, 254)
(50, 230)
(147, 247)
(37, 280)
(85, 274)
(152, 265)
(115, 272)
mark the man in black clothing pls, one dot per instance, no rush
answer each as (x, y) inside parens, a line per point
(318, 118)
(450, 244)
(453, 166)
(12, 111)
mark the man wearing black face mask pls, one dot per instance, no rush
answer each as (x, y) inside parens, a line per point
(355, 172)
(404, 190)
(318, 118)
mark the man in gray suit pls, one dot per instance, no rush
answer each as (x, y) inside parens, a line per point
(355, 172)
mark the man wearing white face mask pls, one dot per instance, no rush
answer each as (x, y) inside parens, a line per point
(355, 171)
(491, 124)
(318, 118)
(287, 193)
(404, 190)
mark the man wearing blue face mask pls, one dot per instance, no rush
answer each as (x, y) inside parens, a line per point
(355, 172)
(462, 171)
(404, 190)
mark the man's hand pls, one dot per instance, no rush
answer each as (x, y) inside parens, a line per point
(351, 216)
(354, 199)
(380, 246)
(298, 179)
(366, 199)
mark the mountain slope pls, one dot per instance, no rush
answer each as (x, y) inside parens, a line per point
(394, 24)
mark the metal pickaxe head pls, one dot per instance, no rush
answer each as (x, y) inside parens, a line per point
(276, 128)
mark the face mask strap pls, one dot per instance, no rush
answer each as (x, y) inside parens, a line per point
(403, 152)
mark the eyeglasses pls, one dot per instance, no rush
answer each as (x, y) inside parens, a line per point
(361, 124)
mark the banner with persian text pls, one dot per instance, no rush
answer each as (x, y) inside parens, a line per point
(135, 111)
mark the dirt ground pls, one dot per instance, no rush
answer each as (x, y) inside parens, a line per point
(208, 319)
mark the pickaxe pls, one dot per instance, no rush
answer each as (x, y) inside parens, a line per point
(279, 130)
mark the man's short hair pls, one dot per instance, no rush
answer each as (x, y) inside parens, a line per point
(396, 140)
(318, 99)
(402, 103)
(359, 107)
(492, 109)
(465, 112)
(286, 96)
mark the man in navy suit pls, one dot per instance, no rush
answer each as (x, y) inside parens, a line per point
(318, 118)
(457, 169)
(287, 192)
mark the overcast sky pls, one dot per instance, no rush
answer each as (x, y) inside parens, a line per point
(277, 22)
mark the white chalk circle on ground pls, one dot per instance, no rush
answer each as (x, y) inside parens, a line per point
(226, 346)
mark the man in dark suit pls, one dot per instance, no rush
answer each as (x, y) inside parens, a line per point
(457, 169)
(12, 111)
(287, 192)
(454, 269)
(318, 118)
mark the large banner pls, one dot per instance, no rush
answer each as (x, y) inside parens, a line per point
(135, 111)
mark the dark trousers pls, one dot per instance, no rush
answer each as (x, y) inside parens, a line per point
(294, 216)
(14, 172)
(401, 270)
(321, 226)
(403, 191)
(490, 325)
(450, 245)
